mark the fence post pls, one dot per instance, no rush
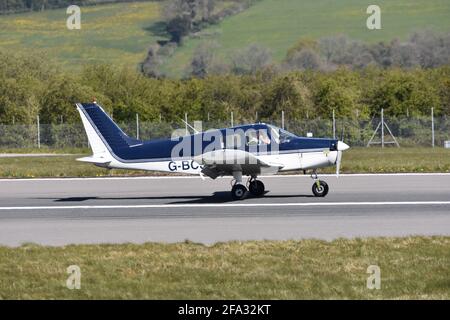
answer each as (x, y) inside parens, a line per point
(282, 119)
(38, 132)
(382, 128)
(334, 125)
(432, 127)
(232, 119)
(256, 117)
(137, 126)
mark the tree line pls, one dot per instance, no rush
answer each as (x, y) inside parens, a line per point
(182, 18)
(30, 86)
(422, 49)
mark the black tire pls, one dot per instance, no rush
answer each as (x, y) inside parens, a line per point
(238, 192)
(256, 188)
(320, 190)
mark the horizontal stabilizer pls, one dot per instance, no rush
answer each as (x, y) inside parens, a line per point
(94, 159)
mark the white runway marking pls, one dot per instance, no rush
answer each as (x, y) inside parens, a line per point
(234, 205)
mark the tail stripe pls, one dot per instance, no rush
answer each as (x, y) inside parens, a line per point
(112, 135)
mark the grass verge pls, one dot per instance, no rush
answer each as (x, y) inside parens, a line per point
(355, 160)
(411, 268)
(46, 150)
(395, 160)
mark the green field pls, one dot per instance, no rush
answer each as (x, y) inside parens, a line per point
(121, 33)
(355, 160)
(411, 268)
(279, 24)
(112, 33)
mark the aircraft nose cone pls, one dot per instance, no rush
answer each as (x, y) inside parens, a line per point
(342, 146)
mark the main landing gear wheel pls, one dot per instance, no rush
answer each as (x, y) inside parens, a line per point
(320, 188)
(256, 188)
(238, 192)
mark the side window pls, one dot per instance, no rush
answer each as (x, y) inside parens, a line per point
(275, 134)
(256, 138)
(251, 138)
(234, 141)
(263, 137)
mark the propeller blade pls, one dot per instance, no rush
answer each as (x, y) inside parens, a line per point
(338, 163)
(341, 146)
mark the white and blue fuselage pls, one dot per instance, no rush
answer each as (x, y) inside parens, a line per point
(248, 150)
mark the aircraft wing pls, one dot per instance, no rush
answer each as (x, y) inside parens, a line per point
(224, 162)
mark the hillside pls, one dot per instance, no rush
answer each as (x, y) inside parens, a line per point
(18, 6)
(114, 33)
(121, 33)
(278, 24)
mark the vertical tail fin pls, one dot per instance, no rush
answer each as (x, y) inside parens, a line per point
(105, 137)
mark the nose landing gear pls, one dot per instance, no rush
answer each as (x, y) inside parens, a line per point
(319, 188)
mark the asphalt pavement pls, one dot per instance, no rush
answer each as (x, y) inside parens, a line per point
(173, 209)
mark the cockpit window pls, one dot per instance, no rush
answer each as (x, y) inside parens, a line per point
(251, 137)
(280, 135)
(257, 137)
(286, 136)
(263, 137)
(234, 141)
(275, 133)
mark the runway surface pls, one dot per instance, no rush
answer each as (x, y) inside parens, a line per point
(173, 209)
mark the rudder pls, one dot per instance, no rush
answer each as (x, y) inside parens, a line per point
(104, 136)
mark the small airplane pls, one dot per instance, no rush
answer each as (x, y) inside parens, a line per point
(249, 150)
